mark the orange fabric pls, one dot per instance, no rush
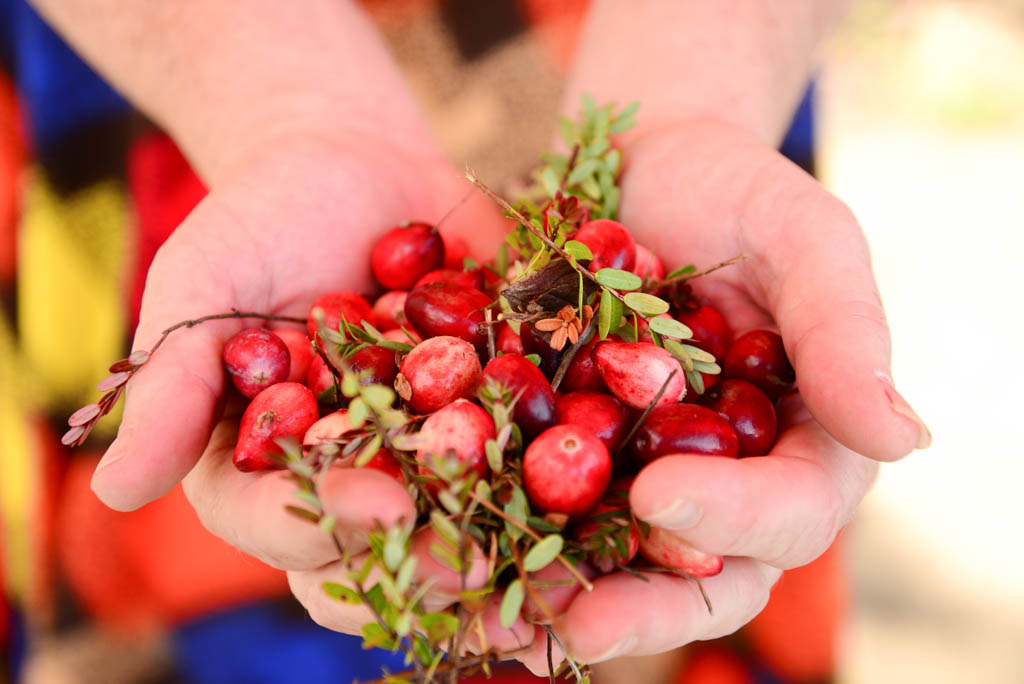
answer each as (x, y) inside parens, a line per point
(12, 160)
(557, 24)
(715, 665)
(797, 634)
(154, 566)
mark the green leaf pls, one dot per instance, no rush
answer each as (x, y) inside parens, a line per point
(405, 573)
(303, 513)
(445, 528)
(646, 304)
(696, 381)
(393, 345)
(533, 358)
(681, 271)
(518, 509)
(699, 354)
(327, 524)
(511, 603)
(350, 385)
(609, 315)
(494, 456)
(483, 490)
(670, 327)
(439, 626)
(709, 368)
(311, 499)
(567, 129)
(543, 553)
(449, 501)
(358, 412)
(618, 279)
(342, 593)
(378, 397)
(445, 557)
(578, 250)
(549, 179)
(376, 597)
(591, 188)
(374, 636)
(612, 159)
(394, 554)
(582, 171)
(369, 450)
(542, 525)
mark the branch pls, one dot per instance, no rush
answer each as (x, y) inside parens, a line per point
(658, 284)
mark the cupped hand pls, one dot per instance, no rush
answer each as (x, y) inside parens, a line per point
(700, 192)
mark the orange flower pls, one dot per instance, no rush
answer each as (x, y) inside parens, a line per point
(565, 327)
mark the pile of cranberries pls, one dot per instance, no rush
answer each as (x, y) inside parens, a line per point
(581, 444)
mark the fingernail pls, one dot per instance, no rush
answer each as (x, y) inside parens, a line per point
(112, 456)
(900, 406)
(680, 514)
(624, 646)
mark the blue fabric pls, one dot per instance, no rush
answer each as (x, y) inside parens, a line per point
(60, 93)
(260, 644)
(798, 145)
(17, 647)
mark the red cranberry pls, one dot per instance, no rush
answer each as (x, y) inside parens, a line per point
(582, 373)
(449, 309)
(386, 462)
(711, 332)
(389, 310)
(684, 429)
(286, 409)
(256, 358)
(299, 350)
(460, 428)
(610, 536)
(508, 342)
(566, 470)
(473, 279)
(610, 243)
(648, 266)
(355, 309)
(437, 372)
(692, 396)
(320, 381)
(406, 253)
(759, 357)
(557, 588)
(748, 410)
(399, 335)
(376, 365)
(535, 410)
(664, 548)
(636, 371)
(602, 414)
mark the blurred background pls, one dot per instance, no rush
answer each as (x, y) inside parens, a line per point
(919, 127)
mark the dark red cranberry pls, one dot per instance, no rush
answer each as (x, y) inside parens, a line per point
(375, 364)
(406, 253)
(602, 414)
(320, 381)
(711, 332)
(748, 410)
(473, 279)
(648, 266)
(508, 342)
(692, 396)
(759, 357)
(610, 243)
(535, 410)
(610, 536)
(533, 343)
(684, 429)
(582, 373)
(355, 309)
(566, 470)
(256, 358)
(448, 309)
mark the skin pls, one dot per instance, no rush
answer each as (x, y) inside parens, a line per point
(319, 135)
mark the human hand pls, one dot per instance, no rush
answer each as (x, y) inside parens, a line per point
(700, 192)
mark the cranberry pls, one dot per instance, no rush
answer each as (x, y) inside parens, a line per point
(508, 342)
(610, 536)
(648, 266)
(566, 470)
(610, 243)
(460, 428)
(329, 428)
(449, 309)
(334, 305)
(602, 414)
(375, 365)
(664, 548)
(535, 409)
(473, 279)
(299, 350)
(256, 359)
(406, 253)
(748, 410)
(437, 372)
(533, 343)
(636, 371)
(692, 396)
(711, 332)
(398, 335)
(759, 357)
(286, 409)
(557, 588)
(684, 428)
(386, 462)
(321, 381)
(389, 309)
(582, 373)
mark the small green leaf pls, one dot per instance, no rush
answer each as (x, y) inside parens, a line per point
(358, 412)
(681, 271)
(518, 509)
(350, 385)
(609, 315)
(543, 552)
(670, 327)
(617, 279)
(374, 636)
(483, 490)
(533, 358)
(445, 528)
(327, 524)
(578, 250)
(612, 159)
(303, 513)
(378, 397)
(369, 450)
(402, 347)
(549, 179)
(394, 554)
(494, 456)
(583, 171)
(591, 188)
(567, 129)
(542, 525)
(699, 354)
(448, 500)
(342, 593)
(696, 381)
(310, 498)
(405, 573)
(445, 556)
(375, 594)
(511, 603)
(647, 304)
(439, 626)
(709, 368)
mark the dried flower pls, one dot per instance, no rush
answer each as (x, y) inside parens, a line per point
(566, 326)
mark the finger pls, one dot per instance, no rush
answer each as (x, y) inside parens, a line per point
(625, 615)
(536, 660)
(784, 509)
(486, 631)
(816, 275)
(556, 587)
(248, 509)
(308, 585)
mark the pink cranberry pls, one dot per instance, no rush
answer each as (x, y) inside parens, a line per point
(406, 253)
(566, 470)
(610, 243)
(759, 357)
(748, 410)
(666, 549)
(256, 359)
(684, 428)
(602, 414)
(389, 309)
(535, 410)
(507, 341)
(354, 308)
(711, 332)
(449, 309)
(286, 409)
(636, 371)
(460, 429)
(437, 372)
(300, 351)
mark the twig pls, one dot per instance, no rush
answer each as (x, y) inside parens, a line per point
(565, 652)
(569, 355)
(235, 313)
(551, 664)
(491, 348)
(684, 575)
(489, 656)
(647, 411)
(569, 167)
(658, 284)
(536, 537)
